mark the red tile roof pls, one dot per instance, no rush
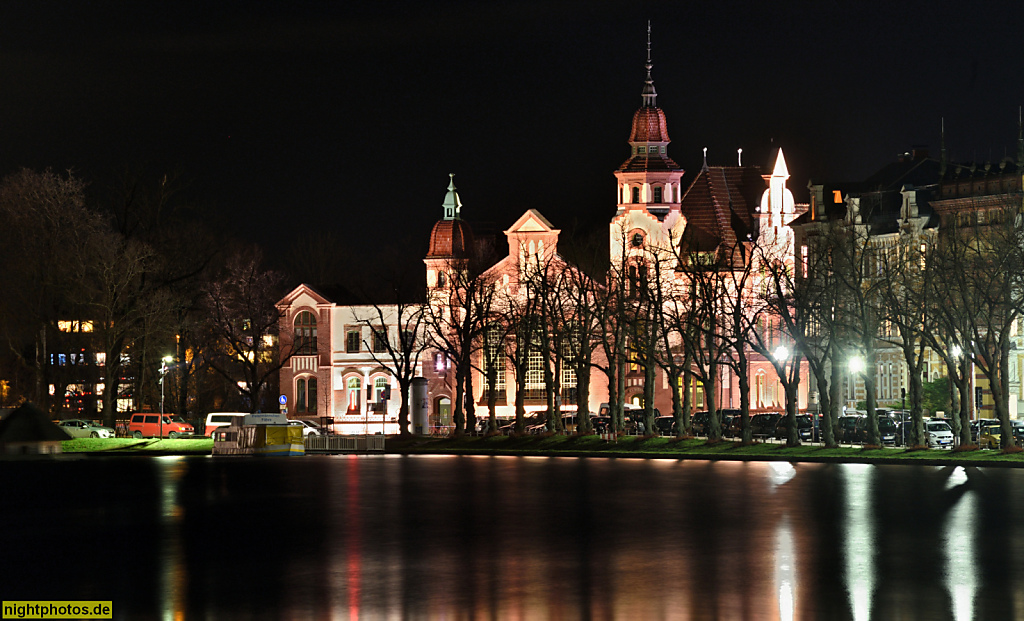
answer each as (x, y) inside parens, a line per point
(450, 239)
(719, 206)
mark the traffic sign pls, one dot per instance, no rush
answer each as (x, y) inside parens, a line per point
(283, 400)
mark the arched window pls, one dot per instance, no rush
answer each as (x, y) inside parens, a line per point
(305, 334)
(353, 394)
(378, 387)
(305, 395)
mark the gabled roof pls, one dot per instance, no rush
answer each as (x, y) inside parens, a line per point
(719, 206)
(532, 222)
(333, 294)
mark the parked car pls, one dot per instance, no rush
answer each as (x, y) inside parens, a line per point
(763, 425)
(845, 429)
(309, 428)
(147, 425)
(977, 424)
(666, 425)
(601, 423)
(727, 417)
(990, 435)
(804, 428)
(78, 428)
(483, 424)
(699, 422)
(886, 430)
(735, 427)
(938, 434)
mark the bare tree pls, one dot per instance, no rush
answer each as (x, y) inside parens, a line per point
(244, 318)
(398, 353)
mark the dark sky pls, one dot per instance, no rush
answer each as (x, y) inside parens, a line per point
(349, 116)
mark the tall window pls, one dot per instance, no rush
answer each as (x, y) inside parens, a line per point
(380, 340)
(353, 394)
(657, 194)
(305, 395)
(494, 358)
(636, 195)
(379, 385)
(305, 334)
(535, 373)
(352, 342)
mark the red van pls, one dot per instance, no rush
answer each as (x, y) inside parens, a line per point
(148, 425)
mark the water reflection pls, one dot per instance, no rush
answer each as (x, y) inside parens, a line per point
(518, 538)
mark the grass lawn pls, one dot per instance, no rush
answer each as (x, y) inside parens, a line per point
(183, 446)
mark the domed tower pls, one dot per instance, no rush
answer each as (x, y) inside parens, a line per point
(649, 179)
(451, 243)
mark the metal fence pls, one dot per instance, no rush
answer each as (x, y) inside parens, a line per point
(344, 444)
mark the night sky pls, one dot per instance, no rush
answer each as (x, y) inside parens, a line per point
(304, 116)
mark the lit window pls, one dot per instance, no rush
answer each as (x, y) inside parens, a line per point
(643, 149)
(379, 385)
(353, 394)
(837, 196)
(305, 334)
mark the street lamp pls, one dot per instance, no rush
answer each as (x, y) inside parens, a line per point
(856, 364)
(163, 371)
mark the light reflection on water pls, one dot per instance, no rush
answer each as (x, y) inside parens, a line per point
(531, 538)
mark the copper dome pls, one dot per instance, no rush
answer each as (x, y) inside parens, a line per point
(450, 239)
(649, 125)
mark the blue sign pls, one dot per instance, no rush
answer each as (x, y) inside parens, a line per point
(282, 400)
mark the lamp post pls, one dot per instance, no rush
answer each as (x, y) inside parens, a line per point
(856, 365)
(163, 372)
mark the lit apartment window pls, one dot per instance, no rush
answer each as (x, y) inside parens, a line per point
(352, 342)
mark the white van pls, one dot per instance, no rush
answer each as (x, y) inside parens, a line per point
(220, 419)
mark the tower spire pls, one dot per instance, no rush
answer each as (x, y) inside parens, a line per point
(649, 95)
(452, 205)
(1020, 138)
(942, 147)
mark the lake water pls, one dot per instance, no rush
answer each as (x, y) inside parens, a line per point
(374, 537)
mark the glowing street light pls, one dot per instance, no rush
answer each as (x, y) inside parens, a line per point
(856, 364)
(955, 351)
(781, 354)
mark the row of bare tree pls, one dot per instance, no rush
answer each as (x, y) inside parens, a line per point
(952, 293)
(100, 286)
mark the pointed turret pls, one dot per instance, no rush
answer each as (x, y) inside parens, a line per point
(452, 205)
(649, 179)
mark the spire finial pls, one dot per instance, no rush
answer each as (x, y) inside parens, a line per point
(649, 95)
(942, 147)
(739, 157)
(705, 166)
(452, 205)
(1020, 138)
